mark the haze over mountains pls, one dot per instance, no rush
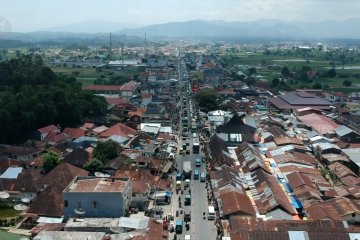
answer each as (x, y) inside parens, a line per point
(266, 28)
(254, 29)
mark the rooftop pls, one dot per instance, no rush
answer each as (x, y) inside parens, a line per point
(97, 185)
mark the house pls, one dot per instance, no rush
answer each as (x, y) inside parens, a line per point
(340, 209)
(354, 96)
(236, 131)
(20, 153)
(347, 134)
(336, 97)
(77, 157)
(320, 123)
(140, 194)
(49, 202)
(41, 133)
(250, 159)
(129, 89)
(83, 142)
(97, 197)
(134, 120)
(219, 153)
(146, 98)
(235, 202)
(306, 110)
(74, 132)
(299, 99)
(118, 129)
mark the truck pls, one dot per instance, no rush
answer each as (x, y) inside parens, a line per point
(211, 213)
(187, 169)
(196, 146)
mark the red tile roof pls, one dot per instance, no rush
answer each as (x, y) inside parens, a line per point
(129, 86)
(103, 87)
(118, 129)
(54, 137)
(237, 203)
(319, 123)
(88, 126)
(115, 101)
(48, 129)
(74, 132)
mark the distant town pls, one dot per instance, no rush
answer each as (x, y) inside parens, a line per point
(180, 140)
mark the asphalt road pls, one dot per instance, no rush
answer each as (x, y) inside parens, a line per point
(200, 228)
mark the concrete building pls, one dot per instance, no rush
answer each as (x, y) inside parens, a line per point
(97, 197)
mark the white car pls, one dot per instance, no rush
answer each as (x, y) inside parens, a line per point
(187, 237)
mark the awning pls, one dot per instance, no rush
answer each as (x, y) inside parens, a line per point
(167, 167)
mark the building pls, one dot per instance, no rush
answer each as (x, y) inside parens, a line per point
(129, 90)
(299, 99)
(41, 133)
(97, 197)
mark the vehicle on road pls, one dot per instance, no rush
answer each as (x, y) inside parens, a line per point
(187, 237)
(196, 146)
(187, 199)
(179, 226)
(202, 177)
(187, 182)
(196, 174)
(181, 151)
(187, 170)
(211, 213)
(187, 151)
(178, 185)
(178, 177)
(197, 162)
(187, 216)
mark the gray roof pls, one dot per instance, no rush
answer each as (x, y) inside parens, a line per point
(135, 223)
(343, 130)
(302, 98)
(353, 154)
(64, 235)
(12, 172)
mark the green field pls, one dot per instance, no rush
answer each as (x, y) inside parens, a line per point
(87, 76)
(261, 61)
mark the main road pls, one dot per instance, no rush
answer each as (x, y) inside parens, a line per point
(200, 228)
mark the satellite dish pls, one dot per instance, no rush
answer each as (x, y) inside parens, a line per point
(25, 200)
(4, 195)
(80, 211)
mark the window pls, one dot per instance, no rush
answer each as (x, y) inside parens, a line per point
(94, 203)
(65, 203)
(79, 204)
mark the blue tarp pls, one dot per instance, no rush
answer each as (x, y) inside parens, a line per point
(273, 164)
(296, 203)
(287, 187)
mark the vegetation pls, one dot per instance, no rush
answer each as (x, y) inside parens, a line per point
(33, 96)
(106, 151)
(207, 100)
(50, 161)
(94, 166)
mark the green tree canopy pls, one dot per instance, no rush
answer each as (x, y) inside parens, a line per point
(331, 73)
(106, 151)
(252, 71)
(33, 96)
(285, 71)
(207, 99)
(347, 83)
(50, 161)
(94, 166)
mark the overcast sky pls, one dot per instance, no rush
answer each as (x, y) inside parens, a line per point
(31, 15)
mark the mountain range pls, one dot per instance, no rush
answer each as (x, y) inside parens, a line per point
(266, 28)
(98, 30)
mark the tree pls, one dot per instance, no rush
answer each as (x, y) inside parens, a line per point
(94, 166)
(331, 73)
(50, 161)
(317, 86)
(285, 71)
(207, 99)
(106, 151)
(347, 83)
(252, 71)
(275, 82)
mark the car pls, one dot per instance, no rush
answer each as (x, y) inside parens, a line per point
(187, 142)
(197, 162)
(187, 151)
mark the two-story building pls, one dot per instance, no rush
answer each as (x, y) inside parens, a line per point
(97, 197)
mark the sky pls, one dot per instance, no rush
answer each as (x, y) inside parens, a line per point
(35, 15)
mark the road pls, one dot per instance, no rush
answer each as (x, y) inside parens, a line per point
(200, 228)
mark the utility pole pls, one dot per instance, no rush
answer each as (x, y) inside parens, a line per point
(122, 54)
(145, 46)
(110, 47)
